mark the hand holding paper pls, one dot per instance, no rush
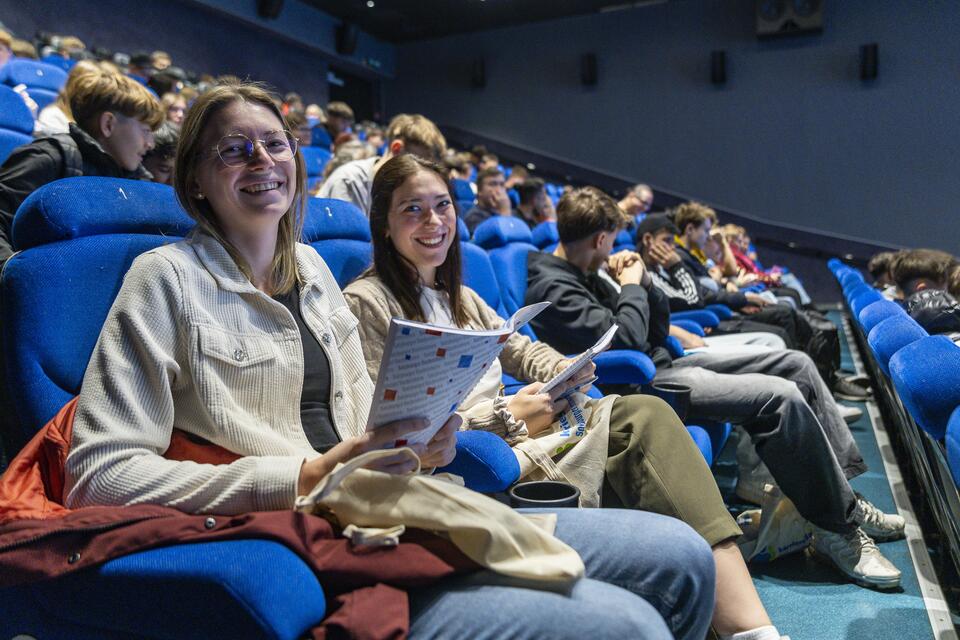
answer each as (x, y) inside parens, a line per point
(572, 371)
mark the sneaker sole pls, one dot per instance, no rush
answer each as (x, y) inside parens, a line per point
(889, 537)
(874, 583)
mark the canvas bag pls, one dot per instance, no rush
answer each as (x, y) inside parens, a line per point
(488, 532)
(776, 529)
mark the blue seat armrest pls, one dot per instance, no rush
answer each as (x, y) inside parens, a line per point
(674, 347)
(226, 589)
(688, 325)
(624, 367)
(704, 318)
(484, 461)
(702, 439)
(721, 310)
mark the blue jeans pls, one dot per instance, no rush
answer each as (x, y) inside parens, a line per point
(648, 576)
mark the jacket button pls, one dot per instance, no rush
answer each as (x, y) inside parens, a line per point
(209, 523)
(74, 558)
(338, 395)
(239, 355)
(326, 338)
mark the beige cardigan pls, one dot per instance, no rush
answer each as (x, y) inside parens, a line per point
(374, 304)
(191, 343)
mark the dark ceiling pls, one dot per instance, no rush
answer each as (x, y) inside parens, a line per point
(406, 20)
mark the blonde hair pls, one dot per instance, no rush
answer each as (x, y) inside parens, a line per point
(6, 39)
(416, 130)
(23, 49)
(190, 152)
(96, 90)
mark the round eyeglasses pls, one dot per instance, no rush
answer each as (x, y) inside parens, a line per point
(236, 149)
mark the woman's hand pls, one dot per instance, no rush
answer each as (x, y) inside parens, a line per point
(587, 372)
(442, 448)
(389, 435)
(536, 409)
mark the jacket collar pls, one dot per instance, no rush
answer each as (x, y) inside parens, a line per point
(550, 262)
(91, 151)
(217, 261)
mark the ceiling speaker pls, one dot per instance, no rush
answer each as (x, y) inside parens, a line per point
(478, 74)
(777, 18)
(347, 38)
(718, 67)
(868, 61)
(269, 9)
(588, 70)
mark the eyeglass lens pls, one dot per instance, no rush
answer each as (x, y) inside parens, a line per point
(237, 149)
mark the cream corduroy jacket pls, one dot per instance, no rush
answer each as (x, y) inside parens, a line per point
(191, 344)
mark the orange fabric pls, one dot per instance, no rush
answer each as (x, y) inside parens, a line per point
(32, 486)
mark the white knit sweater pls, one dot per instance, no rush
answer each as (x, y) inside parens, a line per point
(191, 344)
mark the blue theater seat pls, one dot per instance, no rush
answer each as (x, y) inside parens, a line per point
(340, 233)
(926, 375)
(16, 122)
(545, 235)
(876, 312)
(891, 335)
(863, 298)
(43, 81)
(952, 442)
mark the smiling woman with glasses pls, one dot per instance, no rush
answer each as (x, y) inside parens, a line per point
(236, 149)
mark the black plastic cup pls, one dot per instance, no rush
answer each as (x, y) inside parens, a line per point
(544, 493)
(674, 394)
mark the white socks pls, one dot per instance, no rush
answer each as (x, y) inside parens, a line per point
(760, 633)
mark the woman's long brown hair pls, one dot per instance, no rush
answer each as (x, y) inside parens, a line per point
(396, 271)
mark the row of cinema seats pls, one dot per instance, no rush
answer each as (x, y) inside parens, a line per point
(918, 379)
(76, 240)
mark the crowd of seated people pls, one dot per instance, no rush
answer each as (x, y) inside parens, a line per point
(229, 149)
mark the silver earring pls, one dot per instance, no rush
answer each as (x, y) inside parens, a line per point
(199, 196)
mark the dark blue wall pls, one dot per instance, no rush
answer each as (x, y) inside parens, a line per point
(793, 136)
(215, 36)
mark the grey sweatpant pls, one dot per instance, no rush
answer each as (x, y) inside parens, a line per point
(792, 418)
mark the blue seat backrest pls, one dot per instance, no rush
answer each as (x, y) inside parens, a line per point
(320, 137)
(952, 441)
(862, 299)
(510, 266)
(59, 61)
(514, 196)
(14, 114)
(463, 232)
(340, 233)
(478, 274)
(499, 231)
(462, 190)
(55, 299)
(43, 97)
(10, 140)
(545, 234)
(87, 206)
(878, 311)
(891, 335)
(315, 158)
(34, 74)
(926, 374)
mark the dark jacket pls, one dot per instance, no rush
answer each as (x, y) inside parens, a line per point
(935, 310)
(47, 159)
(698, 270)
(584, 306)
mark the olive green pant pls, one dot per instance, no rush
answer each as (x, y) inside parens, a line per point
(653, 465)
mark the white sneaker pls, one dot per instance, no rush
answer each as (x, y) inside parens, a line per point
(880, 526)
(848, 413)
(856, 555)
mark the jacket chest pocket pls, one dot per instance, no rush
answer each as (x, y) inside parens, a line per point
(234, 371)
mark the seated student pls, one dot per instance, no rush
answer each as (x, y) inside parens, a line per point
(339, 119)
(492, 199)
(638, 200)
(56, 117)
(297, 413)
(488, 161)
(535, 206)
(407, 133)
(880, 268)
(174, 107)
(805, 330)
(922, 277)
(518, 173)
(777, 397)
(159, 161)
(114, 118)
(640, 452)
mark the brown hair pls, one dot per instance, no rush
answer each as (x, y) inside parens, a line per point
(394, 269)
(586, 211)
(929, 264)
(692, 213)
(953, 281)
(6, 40)
(93, 91)
(489, 172)
(340, 110)
(880, 263)
(414, 129)
(23, 49)
(190, 152)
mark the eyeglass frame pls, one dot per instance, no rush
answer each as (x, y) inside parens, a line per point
(293, 147)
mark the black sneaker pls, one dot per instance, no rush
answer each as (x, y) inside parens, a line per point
(846, 390)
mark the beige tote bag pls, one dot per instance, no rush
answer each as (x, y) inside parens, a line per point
(488, 532)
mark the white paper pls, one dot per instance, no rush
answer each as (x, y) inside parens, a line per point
(581, 361)
(428, 370)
